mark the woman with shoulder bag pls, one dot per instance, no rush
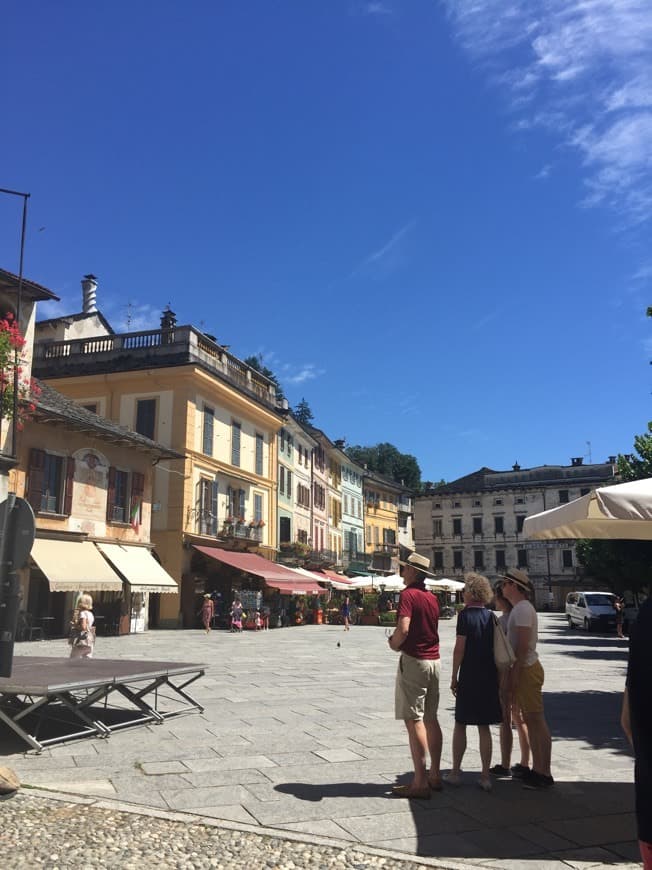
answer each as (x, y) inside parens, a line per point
(475, 678)
(82, 630)
(511, 716)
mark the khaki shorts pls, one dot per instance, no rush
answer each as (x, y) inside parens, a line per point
(528, 692)
(417, 688)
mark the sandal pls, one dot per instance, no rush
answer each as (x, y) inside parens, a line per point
(409, 791)
(435, 783)
(452, 778)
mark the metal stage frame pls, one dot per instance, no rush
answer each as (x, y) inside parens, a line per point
(67, 699)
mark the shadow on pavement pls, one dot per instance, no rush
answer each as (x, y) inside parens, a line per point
(590, 716)
(573, 822)
(306, 791)
(602, 640)
(613, 655)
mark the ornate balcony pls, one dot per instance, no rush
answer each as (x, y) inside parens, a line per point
(156, 348)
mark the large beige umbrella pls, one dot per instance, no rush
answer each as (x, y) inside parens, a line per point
(621, 512)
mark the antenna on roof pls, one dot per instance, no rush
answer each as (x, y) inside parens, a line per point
(588, 455)
(129, 315)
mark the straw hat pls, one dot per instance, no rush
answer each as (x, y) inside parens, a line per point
(520, 578)
(421, 563)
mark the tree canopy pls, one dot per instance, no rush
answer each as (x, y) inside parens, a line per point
(256, 362)
(387, 460)
(302, 413)
(623, 565)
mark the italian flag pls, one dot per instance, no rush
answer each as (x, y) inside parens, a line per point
(135, 514)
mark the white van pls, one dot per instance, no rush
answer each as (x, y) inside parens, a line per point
(592, 611)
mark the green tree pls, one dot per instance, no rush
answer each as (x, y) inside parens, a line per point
(256, 362)
(623, 565)
(387, 460)
(302, 413)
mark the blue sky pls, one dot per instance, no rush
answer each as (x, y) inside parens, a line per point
(431, 217)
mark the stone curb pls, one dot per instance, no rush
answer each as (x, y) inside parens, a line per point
(259, 831)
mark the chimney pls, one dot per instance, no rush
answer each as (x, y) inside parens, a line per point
(339, 443)
(168, 318)
(612, 460)
(576, 460)
(89, 294)
(516, 467)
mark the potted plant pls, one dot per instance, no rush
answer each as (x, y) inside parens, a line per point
(369, 609)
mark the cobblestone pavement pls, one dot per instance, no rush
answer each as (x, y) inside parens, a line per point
(298, 743)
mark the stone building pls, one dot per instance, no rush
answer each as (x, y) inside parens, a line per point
(476, 523)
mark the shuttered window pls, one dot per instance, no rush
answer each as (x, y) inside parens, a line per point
(236, 432)
(146, 417)
(259, 453)
(50, 482)
(208, 427)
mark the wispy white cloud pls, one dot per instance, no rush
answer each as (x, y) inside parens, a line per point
(133, 317)
(583, 70)
(386, 257)
(375, 7)
(301, 374)
(644, 273)
(544, 172)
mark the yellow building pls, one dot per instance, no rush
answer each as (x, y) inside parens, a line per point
(89, 483)
(381, 518)
(177, 386)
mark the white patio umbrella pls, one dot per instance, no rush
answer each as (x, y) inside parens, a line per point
(623, 511)
(445, 584)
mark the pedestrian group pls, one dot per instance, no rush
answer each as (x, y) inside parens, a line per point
(496, 679)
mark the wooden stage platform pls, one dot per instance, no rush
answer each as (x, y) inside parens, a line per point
(51, 700)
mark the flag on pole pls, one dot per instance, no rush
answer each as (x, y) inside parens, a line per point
(135, 514)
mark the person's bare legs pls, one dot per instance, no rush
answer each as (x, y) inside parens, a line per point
(484, 737)
(459, 746)
(506, 743)
(524, 743)
(418, 748)
(434, 738)
(540, 742)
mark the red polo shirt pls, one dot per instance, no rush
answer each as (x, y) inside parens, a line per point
(422, 641)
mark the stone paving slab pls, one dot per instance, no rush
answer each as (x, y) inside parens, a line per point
(298, 736)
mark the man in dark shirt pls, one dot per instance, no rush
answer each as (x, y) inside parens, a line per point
(637, 723)
(416, 637)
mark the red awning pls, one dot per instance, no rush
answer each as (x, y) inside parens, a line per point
(272, 573)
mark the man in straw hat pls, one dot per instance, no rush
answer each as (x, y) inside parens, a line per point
(527, 675)
(416, 637)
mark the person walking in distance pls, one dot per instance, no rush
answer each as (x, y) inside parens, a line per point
(527, 676)
(82, 629)
(207, 612)
(346, 613)
(416, 638)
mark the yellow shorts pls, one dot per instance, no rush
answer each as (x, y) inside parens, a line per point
(528, 691)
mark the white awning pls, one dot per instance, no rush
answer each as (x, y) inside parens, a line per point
(74, 566)
(139, 568)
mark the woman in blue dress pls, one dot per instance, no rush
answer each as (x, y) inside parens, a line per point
(475, 678)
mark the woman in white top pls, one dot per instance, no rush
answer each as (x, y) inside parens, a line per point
(82, 637)
(511, 716)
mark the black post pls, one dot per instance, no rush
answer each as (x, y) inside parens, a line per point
(9, 589)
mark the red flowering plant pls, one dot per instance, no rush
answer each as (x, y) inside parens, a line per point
(12, 343)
